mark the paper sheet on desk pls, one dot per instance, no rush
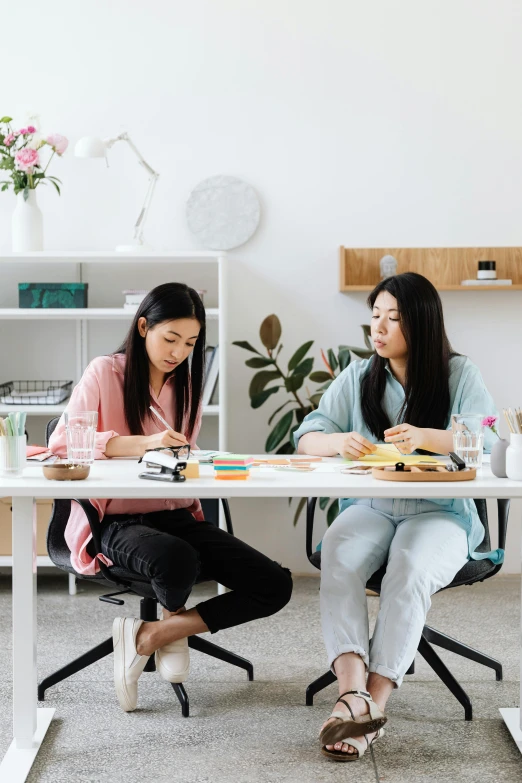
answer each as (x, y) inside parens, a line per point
(388, 454)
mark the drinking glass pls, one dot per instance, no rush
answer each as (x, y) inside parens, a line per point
(468, 438)
(12, 455)
(80, 430)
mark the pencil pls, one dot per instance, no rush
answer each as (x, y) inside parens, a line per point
(155, 412)
(507, 419)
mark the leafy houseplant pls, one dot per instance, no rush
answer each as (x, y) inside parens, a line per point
(271, 378)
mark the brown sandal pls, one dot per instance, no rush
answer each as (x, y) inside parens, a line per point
(339, 755)
(344, 725)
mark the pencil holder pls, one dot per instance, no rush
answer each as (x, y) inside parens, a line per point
(514, 457)
(12, 455)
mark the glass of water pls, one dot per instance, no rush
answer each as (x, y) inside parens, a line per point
(468, 438)
(80, 430)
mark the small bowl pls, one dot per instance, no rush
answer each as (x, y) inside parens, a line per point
(65, 471)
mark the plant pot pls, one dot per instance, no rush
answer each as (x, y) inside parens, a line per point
(27, 224)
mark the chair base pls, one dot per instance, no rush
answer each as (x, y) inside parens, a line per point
(148, 612)
(430, 636)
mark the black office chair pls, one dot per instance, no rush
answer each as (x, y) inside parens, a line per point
(129, 582)
(473, 571)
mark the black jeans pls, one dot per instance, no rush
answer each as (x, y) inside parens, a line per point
(174, 551)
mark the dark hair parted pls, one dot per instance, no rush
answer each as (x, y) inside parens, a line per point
(427, 399)
(167, 302)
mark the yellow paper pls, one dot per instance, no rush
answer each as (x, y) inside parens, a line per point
(388, 454)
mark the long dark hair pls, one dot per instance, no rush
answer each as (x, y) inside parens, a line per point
(166, 302)
(426, 400)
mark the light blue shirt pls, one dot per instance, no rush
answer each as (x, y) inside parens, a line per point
(340, 411)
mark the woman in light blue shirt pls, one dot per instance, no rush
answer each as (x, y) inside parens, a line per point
(405, 394)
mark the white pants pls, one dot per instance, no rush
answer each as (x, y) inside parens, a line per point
(424, 546)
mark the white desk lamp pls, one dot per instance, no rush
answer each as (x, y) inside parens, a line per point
(94, 147)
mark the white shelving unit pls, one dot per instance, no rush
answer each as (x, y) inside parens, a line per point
(81, 317)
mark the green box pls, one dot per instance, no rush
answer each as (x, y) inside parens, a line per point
(59, 295)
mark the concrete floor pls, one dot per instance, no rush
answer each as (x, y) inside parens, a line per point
(261, 732)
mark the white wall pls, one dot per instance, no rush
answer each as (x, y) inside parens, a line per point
(363, 124)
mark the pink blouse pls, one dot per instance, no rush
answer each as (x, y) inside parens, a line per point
(101, 389)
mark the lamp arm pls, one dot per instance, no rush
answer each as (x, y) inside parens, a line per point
(140, 222)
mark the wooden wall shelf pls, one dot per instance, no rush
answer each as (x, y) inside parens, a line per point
(446, 267)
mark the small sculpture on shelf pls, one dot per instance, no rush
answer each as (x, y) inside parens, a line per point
(388, 266)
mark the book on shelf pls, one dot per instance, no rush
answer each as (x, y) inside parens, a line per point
(487, 282)
(211, 374)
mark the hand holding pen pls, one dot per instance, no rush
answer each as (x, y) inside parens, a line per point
(168, 439)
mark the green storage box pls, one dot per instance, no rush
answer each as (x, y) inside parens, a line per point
(64, 295)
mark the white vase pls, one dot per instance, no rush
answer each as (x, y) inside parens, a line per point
(514, 457)
(27, 224)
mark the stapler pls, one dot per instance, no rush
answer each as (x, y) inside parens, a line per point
(164, 464)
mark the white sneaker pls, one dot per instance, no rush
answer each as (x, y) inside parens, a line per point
(173, 661)
(128, 665)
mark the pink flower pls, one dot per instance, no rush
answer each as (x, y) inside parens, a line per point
(23, 131)
(25, 160)
(31, 129)
(8, 140)
(489, 421)
(58, 143)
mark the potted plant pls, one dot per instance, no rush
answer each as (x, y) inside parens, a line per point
(271, 378)
(21, 159)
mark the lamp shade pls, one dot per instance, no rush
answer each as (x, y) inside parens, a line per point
(90, 147)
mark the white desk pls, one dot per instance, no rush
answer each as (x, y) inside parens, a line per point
(118, 479)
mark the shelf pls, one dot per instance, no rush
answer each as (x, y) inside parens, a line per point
(368, 288)
(41, 560)
(99, 256)
(77, 314)
(57, 410)
(445, 267)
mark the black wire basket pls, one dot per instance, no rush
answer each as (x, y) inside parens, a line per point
(34, 392)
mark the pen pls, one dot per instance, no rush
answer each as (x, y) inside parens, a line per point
(155, 412)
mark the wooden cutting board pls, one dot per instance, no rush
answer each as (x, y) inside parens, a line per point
(416, 473)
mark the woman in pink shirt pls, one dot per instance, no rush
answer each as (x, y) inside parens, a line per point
(161, 363)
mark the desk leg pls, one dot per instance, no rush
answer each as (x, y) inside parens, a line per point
(513, 715)
(29, 724)
(223, 525)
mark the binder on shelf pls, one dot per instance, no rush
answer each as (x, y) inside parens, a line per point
(211, 373)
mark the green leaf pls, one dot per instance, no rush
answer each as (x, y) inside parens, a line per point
(332, 512)
(332, 360)
(7, 162)
(274, 414)
(263, 396)
(299, 354)
(286, 448)
(6, 119)
(316, 398)
(259, 362)
(294, 382)
(279, 431)
(244, 344)
(26, 193)
(320, 376)
(5, 186)
(305, 367)
(344, 358)
(260, 380)
(279, 350)
(361, 353)
(298, 510)
(323, 502)
(367, 331)
(270, 332)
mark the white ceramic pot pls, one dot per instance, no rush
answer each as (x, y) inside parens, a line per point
(514, 458)
(27, 224)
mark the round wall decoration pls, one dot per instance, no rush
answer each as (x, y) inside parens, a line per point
(223, 212)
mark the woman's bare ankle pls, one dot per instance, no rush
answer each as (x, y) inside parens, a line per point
(144, 639)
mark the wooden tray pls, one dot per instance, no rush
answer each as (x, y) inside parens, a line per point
(413, 473)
